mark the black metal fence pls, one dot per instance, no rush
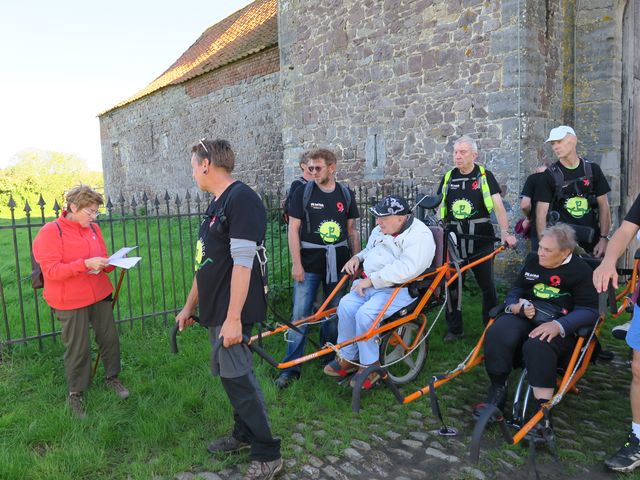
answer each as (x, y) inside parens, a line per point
(165, 230)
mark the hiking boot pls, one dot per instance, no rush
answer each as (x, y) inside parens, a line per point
(627, 458)
(75, 401)
(497, 396)
(264, 470)
(451, 337)
(228, 444)
(620, 331)
(285, 380)
(116, 385)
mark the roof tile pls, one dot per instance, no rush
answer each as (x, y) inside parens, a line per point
(249, 30)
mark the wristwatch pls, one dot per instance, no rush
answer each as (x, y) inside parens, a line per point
(608, 236)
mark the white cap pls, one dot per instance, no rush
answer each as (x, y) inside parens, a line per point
(559, 133)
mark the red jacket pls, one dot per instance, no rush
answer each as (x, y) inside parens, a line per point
(67, 282)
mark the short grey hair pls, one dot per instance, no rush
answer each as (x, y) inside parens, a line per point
(467, 140)
(564, 234)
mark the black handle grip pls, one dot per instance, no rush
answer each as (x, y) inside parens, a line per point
(173, 341)
(612, 298)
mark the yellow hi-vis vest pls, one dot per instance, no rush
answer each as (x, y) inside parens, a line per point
(484, 187)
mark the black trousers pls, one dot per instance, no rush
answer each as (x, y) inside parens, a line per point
(483, 273)
(507, 343)
(251, 423)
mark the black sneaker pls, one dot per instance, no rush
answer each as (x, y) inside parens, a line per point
(451, 337)
(497, 396)
(541, 433)
(228, 444)
(620, 331)
(627, 458)
(285, 379)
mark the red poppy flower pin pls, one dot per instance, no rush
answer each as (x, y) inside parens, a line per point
(555, 281)
(474, 185)
(585, 182)
(340, 207)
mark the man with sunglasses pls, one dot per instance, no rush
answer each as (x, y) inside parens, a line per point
(322, 237)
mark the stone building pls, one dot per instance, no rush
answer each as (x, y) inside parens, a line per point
(390, 84)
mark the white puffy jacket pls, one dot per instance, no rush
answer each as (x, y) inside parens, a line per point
(390, 260)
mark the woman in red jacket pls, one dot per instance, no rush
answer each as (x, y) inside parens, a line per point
(72, 255)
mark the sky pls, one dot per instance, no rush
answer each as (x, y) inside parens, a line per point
(66, 61)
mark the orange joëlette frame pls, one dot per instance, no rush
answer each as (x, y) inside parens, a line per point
(438, 274)
(628, 289)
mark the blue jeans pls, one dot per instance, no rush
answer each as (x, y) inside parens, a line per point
(304, 293)
(357, 314)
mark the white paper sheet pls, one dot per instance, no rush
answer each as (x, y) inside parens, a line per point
(124, 262)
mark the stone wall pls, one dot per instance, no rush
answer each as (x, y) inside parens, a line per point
(146, 145)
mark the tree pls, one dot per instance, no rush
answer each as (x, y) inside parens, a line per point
(36, 172)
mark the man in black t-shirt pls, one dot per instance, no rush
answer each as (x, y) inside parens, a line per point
(628, 457)
(469, 195)
(229, 289)
(322, 237)
(528, 205)
(582, 202)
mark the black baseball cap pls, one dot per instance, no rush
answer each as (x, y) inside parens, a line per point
(391, 205)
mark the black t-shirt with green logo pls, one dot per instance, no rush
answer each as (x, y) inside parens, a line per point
(238, 213)
(464, 197)
(328, 225)
(633, 215)
(573, 207)
(565, 286)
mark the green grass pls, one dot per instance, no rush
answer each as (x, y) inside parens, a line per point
(176, 407)
(155, 289)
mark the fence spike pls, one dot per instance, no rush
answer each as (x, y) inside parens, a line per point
(145, 199)
(187, 196)
(56, 207)
(41, 202)
(167, 197)
(109, 204)
(178, 202)
(12, 202)
(121, 199)
(198, 198)
(27, 207)
(134, 204)
(156, 202)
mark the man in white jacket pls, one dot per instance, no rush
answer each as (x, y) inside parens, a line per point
(400, 248)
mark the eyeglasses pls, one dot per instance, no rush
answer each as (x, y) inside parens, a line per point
(91, 213)
(318, 168)
(203, 145)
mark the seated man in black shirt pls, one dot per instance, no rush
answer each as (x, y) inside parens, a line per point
(552, 298)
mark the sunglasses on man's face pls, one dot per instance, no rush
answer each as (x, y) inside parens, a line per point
(318, 168)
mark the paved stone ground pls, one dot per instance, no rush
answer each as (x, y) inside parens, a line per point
(412, 449)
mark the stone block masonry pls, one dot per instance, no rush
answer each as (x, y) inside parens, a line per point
(147, 144)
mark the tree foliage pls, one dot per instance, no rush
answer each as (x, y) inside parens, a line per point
(50, 174)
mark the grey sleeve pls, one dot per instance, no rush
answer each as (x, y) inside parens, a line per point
(243, 251)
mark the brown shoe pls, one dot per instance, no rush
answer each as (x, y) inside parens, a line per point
(75, 401)
(116, 385)
(339, 367)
